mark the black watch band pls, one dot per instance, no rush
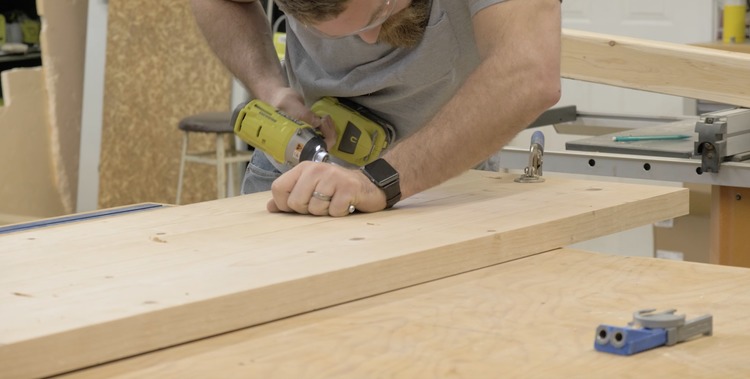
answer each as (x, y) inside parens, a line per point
(383, 175)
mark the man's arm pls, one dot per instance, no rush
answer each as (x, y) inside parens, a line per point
(239, 34)
(518, 78)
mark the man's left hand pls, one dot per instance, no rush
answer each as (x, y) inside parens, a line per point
(325, 189)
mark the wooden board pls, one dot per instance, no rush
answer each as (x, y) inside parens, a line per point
(530, 318)
(730, 222)
(662, 67)
(719, 45)
(92, 292)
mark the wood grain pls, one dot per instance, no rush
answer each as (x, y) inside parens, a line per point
(730, 221)
(662, 67)
(530, 318)
(88, 293)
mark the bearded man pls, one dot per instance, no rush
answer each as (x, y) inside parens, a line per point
(457, 78)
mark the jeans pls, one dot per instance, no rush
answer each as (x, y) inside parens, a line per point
(259, 175)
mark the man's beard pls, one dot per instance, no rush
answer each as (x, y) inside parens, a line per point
(406, 28)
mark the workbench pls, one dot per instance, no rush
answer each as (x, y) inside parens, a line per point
(534, 317)
(698, 72)
(154, 283)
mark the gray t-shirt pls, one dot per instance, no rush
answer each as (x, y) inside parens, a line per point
(406, 86)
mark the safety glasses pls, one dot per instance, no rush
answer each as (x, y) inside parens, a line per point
(377, 19)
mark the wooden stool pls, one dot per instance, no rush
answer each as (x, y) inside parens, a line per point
(217, 123)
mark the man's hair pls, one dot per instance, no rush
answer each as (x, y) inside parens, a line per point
(312, 11)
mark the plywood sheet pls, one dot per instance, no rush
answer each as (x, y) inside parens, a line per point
(28, 189)
(530, 318)
(92, 292)
(159, 70)
(40, 122)
(63, 42)
(662, 67)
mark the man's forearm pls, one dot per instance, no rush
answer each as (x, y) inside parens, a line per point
(239, 34)
(516, 81)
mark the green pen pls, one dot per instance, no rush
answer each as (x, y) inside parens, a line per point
(650, 138)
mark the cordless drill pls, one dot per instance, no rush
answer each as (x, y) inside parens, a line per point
(361, 135)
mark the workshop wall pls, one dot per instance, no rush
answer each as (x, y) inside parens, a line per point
(159, 70)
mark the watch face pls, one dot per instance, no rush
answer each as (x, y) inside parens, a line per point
(382, 172)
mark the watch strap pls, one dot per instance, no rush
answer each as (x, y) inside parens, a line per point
(385, 177)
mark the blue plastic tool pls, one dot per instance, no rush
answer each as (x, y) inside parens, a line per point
(656, 329)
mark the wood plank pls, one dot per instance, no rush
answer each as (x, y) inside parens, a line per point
(82, 294)
(530, 318)
(719, 45)
(730, 222)
(662, 67)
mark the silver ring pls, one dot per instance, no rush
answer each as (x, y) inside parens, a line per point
(320, 196)
(352, 208)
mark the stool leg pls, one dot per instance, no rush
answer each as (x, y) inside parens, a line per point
(221, 167)
(233, 169)
(230, 180)
(182, 167)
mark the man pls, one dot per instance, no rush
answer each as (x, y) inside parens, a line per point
(457, 78)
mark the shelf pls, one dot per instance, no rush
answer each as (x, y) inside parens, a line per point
(19, 57)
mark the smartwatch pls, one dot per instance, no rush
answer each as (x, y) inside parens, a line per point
(383, 175)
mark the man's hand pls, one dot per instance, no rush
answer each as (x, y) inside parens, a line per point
(291, 103)
(293, 191)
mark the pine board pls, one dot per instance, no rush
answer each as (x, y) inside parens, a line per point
(81, 294)
(661, 67)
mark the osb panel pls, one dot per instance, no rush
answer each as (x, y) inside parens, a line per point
(159, 70)
(63, 41)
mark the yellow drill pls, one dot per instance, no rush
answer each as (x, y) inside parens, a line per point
(361, 135)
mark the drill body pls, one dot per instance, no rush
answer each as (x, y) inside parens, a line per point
(361, 135)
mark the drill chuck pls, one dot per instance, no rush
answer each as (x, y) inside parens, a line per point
(305, 145)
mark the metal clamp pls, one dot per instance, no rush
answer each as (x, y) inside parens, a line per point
(722, 135)
(533, 172)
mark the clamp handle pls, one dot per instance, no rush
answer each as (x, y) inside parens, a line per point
(533, 172)
(677, 328)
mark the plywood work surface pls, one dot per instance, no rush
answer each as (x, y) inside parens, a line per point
(530, 318)
(82, 294)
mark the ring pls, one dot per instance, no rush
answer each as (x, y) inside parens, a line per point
(320, 196)
(352, 208)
